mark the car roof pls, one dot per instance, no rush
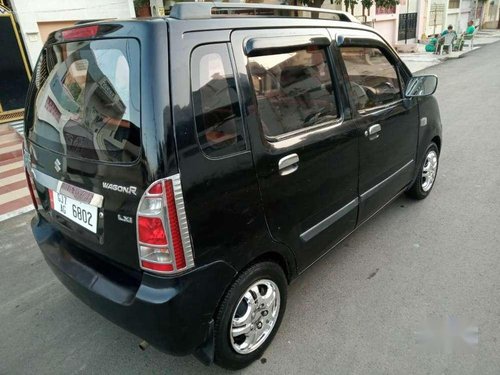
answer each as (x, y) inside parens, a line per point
(226, 22)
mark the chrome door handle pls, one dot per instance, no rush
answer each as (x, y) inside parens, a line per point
(372, 132)
(288, 164)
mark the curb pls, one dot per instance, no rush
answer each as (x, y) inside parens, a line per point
(17, 212)
(462, 54)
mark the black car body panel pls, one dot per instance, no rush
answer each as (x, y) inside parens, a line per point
(239, 209)
(174, 314)
(294, 204)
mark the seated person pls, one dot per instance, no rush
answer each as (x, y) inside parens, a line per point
(449, 30)
(431, 44)
(470, 28)
(468, 32)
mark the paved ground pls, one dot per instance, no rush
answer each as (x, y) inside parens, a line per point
(14, 194)
(357, 311)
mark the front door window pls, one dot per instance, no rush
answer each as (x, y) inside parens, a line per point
(374, 81)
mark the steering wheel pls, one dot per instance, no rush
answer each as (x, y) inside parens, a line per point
(361, 97)
(313, 117)
(386, 87)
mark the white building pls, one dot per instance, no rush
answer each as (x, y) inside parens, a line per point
(385, 21)
(37, 18)
(490, 15)
(441, 13)
(390, 22)
(458, 14)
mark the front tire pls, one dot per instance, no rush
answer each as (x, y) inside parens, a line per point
(249, 315)
(427, 173)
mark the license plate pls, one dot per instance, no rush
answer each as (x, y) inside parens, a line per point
(81, 213)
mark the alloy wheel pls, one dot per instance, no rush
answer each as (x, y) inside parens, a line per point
(429, 170)
(255, 316)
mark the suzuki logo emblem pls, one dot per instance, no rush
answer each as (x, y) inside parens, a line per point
(57, 165)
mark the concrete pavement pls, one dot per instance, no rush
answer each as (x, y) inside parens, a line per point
(420, 60)
(355, 312)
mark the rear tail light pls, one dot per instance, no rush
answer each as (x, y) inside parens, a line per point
(80, 32)
(162, 234)
(151, 231)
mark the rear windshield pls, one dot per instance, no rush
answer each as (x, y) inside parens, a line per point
(87, 104)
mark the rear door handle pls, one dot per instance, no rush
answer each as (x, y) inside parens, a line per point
(288, 164)
(372, 132)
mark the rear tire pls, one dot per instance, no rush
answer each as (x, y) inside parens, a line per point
(249, 315)
(427, 173)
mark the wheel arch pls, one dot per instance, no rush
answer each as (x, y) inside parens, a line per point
(286, 264)
(437, 141)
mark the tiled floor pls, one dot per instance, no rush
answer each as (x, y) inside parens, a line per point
(14, 194)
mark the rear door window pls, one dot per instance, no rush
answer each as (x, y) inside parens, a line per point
(88, 105)
(293, 90)
(216, 104)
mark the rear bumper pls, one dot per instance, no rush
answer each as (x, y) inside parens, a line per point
(172, 314)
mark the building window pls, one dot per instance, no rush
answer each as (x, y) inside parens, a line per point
(454, 4)
(293, 90)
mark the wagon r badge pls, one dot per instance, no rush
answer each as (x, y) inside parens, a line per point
(122, 189)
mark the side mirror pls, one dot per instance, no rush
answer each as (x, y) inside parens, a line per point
(421, 86)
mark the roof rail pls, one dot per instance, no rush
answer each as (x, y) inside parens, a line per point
(195, 10)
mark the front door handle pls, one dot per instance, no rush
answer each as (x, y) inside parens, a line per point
(288, 164)
(372, 132)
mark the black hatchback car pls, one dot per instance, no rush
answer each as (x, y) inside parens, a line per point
(186, 169)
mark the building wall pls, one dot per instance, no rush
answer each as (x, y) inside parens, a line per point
(491, 15)
(38, 18)
(46, 28)
(459, 17)
(423, 19)
(466, 13)
(388, 29)
(408, 6)
(436, 21)
(385, 24)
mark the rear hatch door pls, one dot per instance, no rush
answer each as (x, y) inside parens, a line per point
(83, 134)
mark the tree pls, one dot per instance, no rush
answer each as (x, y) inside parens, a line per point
(350, 4)
(318, 3)
(367, 4)
(312, 3)
(386, 3)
